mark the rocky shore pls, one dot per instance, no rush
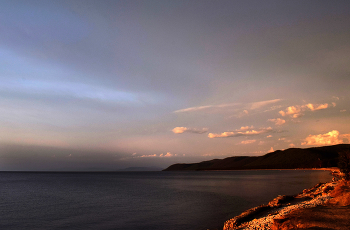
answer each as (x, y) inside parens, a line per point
(271, 216)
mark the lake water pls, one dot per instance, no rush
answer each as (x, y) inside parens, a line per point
(141, 200)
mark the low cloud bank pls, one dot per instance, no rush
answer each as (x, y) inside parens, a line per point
(168, 154)
(37, 158)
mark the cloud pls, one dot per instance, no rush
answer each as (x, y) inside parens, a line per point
(277, 121)
(268, 136)
(193, 109)
(318, 107)
(273, 108)
(345, 136)
(197, 108)
(224, 134)
(297, 110)
(245, 128)
(330, 138)
(248, 142)
(252, 106)
(291, 145)
(271, 150)
(294, 111)
(240, 133)
(343, 110)
(256, 105)
(168, 154)
(179, 130)
(154, 155)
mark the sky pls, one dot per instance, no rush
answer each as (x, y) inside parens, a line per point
(106, 85)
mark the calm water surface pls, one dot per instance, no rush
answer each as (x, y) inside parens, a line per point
(141, 200)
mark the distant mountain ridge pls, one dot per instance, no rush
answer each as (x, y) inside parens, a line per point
(316, 157)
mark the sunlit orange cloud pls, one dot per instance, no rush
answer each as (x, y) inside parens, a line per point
(240, 133)
(168, 154)
(346, 136)
(247, 142)
(330, 138)
(297, 110)
(179, 130)
(318, 107)
(245, 128)
(224, 134)
(277, 121)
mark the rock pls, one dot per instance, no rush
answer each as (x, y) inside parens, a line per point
(278, 208)
(327, 189)
(278, 201)
(244, 217)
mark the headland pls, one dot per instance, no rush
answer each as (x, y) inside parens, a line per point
(325, 206)
(292, 158)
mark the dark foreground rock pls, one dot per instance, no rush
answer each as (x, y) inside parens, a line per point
(320, 217)
(334, 214)
(263, 217)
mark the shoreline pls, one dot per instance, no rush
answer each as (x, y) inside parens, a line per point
(233, 170)
(263, 217)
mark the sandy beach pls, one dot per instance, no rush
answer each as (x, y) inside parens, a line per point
(325, 206)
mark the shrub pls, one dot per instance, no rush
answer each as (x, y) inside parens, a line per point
(344, 163)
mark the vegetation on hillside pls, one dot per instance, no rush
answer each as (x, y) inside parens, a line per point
(317, 157)
(344, 163)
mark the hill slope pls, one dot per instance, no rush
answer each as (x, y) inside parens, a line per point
(317, 157)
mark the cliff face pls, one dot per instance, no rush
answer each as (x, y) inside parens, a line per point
(318, 157)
